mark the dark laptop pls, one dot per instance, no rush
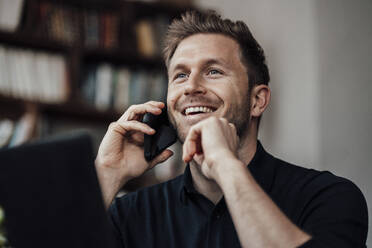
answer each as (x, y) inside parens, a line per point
(51, 197)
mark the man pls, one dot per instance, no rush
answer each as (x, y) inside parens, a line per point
(233, 193)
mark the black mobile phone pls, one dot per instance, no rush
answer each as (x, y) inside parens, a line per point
(164, 136)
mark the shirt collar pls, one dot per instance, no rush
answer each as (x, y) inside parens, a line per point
(187, 186)
(260, 167)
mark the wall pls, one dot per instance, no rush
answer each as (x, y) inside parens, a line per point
(320, 62)
(345, 76)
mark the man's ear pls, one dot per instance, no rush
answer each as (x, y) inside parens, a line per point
(260, 98)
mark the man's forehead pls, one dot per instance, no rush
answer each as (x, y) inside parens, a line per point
(205, 48)
(183, 63)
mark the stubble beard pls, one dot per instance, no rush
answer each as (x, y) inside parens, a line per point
(240, 117)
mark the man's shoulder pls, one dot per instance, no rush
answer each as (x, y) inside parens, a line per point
(289, 173)
(303, 192)
(302, 184)
(277, 175)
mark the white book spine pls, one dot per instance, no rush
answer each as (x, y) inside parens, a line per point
(121, 98)
(42, 72)
(103, 87)
(4, 81)
(10, 14)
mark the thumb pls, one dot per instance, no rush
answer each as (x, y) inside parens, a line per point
(161, 157)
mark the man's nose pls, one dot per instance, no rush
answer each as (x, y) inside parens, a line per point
(194, 85)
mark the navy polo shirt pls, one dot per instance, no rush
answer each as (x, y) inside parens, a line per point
(173, 214)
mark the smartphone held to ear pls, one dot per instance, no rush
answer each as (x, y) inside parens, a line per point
(164, 136)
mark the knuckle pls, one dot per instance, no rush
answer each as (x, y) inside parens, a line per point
(131, 108)
(212, 119)
(112, 125)
(192, 129)
(136, 106)
(223, 120)
(116, 127)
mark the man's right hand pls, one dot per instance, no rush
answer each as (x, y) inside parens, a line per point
(121, 155)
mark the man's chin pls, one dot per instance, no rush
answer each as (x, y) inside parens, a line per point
(182, 134)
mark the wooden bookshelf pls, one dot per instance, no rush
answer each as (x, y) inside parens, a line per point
(36, 34)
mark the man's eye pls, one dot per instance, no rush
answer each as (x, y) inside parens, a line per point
(180, 75)
(213, 72)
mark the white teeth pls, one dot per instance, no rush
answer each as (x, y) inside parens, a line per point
(198, 109)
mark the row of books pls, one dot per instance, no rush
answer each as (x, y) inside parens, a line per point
(34, 76)
(108, 87)
(69, 25)
(106, 29)
(57, 22)
(101, 30)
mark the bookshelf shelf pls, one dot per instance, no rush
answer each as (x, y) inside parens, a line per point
(118, 56)
(75, 109)
(23, 40)
(84, 112)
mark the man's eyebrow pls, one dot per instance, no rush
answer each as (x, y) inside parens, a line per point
(178, 67)
(205, 63)
(218, 61)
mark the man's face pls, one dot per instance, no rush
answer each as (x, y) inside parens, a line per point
(207, 78)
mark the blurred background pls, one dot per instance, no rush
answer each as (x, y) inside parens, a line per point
(77, 65)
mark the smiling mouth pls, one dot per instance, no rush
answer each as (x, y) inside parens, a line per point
(198, 110)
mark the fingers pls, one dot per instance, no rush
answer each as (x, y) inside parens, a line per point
(192, 144)
(124, 127)
(161, 157)
(135, 112)
(233, 129)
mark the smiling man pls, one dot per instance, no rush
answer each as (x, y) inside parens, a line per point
(233, 193)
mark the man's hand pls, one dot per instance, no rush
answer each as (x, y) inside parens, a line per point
(212, 144)
(209, 143)
(121, 155)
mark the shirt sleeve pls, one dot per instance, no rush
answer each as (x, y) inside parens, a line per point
(113, 219)
(336, 216)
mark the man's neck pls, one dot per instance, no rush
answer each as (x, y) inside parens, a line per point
(209, 188)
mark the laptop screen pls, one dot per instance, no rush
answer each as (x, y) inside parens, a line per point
(50, 195)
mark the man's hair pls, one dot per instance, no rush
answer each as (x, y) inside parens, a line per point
(195, 22)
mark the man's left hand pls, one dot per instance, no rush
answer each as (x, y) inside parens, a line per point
(209, 143)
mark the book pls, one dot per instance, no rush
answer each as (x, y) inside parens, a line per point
(59, 80)
(157, 86)
(6, 131)
(5, 88)
(110, 30)
(121, 92)
(139, 87)
(25, 76)
(103, 87)
(42, 76)
(91, 29)
(145, 38)
(24, 129)
(88, 87)
(10, 14)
